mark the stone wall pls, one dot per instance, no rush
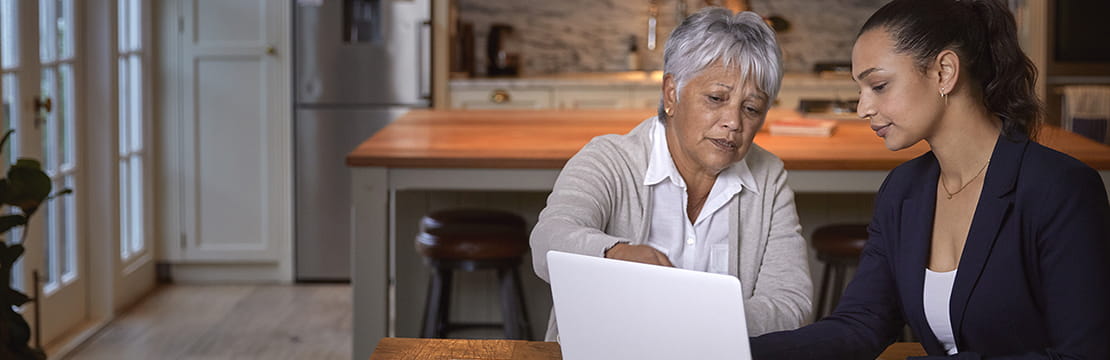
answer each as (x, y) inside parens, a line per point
(593, 35)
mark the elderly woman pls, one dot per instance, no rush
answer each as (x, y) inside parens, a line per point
(688, 188)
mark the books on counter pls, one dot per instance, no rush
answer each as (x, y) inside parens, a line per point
(800, 126)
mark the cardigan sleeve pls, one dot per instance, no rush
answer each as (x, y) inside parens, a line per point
(867, 319)
(578, 208)
(782, 298)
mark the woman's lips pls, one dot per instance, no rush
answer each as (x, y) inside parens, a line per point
(881, 130)
(724, 145)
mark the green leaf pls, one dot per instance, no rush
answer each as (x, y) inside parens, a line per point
(9, 221)
(28, 163)
(65, 191)
(7, 135)
(9, 254)
(28, 186)
(11, 297)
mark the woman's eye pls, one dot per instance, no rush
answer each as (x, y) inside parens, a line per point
(878, 88)
(752, 110)
(715, 98)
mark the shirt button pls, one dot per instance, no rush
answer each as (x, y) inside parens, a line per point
(690, 241)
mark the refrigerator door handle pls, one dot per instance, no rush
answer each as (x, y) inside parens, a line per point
(423, 46)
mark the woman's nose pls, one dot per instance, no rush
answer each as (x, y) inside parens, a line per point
(732, 121)
(864, 108)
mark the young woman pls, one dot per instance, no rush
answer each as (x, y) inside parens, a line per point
(991, 245)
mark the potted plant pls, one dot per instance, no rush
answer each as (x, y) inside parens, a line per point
(24, 188)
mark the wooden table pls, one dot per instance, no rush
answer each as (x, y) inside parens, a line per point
(523, 150)
(448, 349)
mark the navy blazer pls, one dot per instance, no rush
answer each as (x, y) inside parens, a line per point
(1033, 280)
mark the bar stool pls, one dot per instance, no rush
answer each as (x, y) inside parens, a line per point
(838, 246)
(471, 240)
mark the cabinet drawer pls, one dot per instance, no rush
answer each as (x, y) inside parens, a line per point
(645, 98)
(500, 98)
(611, 98)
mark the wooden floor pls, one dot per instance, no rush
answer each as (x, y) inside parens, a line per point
(230, 322)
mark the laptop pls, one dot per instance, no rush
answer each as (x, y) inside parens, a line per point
(613, 309)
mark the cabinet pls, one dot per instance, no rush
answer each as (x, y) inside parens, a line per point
(646, 97)
(591, 91)
(592, 98)
(226, 187)
(495, 97)
(547, 96)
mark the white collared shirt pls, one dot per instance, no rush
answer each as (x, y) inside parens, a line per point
(703, 245)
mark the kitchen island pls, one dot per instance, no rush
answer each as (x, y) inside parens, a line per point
(524, 150)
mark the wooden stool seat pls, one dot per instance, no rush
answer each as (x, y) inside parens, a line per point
(472, 234)
(840, 241)
(838, 246)
(471, 240)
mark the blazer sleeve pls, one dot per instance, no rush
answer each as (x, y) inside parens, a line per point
(1074, 253)
(578, 208)
(864, 323)
(782, 299)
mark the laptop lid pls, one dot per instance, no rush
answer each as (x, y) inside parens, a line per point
(612, 309)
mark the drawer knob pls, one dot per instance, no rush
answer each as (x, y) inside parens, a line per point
(499, 96)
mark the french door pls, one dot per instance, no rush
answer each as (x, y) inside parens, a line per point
(39, 82)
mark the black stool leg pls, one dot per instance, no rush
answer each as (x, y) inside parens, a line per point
(838, 286)
(427, 324)
(444, 323)
(526, 324)
(437, 305)
(824, 294)
(508, 303)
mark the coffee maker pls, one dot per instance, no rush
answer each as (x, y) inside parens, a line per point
(502, 51)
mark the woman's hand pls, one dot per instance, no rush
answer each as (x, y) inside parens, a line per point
(638, 253)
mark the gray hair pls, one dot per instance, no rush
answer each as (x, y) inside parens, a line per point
(713, 34)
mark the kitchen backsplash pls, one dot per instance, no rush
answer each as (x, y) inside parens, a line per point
(559, 36)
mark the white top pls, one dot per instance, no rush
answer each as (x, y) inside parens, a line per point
(703, 245)
(937, 297)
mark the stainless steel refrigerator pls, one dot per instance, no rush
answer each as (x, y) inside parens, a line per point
(359, 65)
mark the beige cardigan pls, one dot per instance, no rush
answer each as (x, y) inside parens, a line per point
(599, 199)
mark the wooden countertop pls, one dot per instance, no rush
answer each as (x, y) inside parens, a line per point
(444, 349)
(546, 139)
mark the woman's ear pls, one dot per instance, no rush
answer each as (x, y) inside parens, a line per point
(670, 93)
(948, 71)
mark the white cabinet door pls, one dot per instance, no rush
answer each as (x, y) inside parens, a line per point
(604, 98)
(645, 97)
(235, 132)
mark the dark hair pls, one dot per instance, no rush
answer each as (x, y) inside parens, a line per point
(984, 35)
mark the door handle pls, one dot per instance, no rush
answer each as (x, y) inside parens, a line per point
(43, 105)
(424, 61)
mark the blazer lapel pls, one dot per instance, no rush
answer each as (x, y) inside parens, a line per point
(915, 235)
(994, 205)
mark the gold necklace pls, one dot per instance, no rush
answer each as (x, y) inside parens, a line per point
(950, 193)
